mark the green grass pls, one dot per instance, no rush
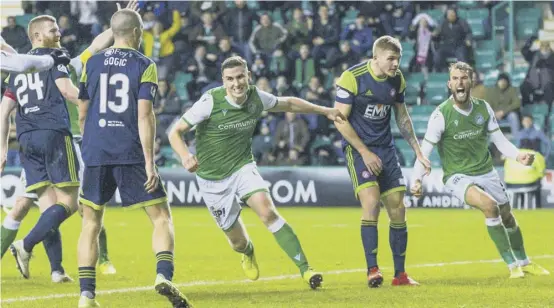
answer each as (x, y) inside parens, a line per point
(209, 271)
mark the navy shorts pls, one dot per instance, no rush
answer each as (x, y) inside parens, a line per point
(48, 158)
(101, 182)
(389, 180)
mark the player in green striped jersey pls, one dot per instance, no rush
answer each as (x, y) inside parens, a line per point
(460, 128)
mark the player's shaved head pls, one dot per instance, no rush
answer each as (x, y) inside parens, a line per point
(387, 43)
(124, 22)
(36, 25)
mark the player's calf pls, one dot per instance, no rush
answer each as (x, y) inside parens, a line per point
(11, 223)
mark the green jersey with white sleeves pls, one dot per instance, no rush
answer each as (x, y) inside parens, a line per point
(462, 137)
(224, 130)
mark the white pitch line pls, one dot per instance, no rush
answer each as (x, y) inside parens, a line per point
(243, 281)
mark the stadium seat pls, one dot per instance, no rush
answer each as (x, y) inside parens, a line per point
(487, 45)
(485, 59)
(468, 4)
(421, 113)
(477, 27)
(23, 20)
(406, 150)
(407, 56)
(349, 17)
(537, 109)
(490, 78)
(394, 127)
(527, 22)
(436, 95)
(436, 14)
(420, 128)
(181, 81)
(413, 87)
(518, 75)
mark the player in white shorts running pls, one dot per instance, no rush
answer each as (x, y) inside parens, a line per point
(460, 127)
(225, 119)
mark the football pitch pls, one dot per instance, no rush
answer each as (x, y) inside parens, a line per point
(449, 253)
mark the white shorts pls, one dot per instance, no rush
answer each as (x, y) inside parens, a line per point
(458, 184)
(32, 195)
(223, 197)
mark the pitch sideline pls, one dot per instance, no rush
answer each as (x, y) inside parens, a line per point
(242, 281)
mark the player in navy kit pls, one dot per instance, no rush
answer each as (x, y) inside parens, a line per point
(118, 87)
(367, 93)
(43, 130)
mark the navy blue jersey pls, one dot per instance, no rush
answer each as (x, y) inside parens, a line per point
(113, 81)
(41, 105)
(372, 99)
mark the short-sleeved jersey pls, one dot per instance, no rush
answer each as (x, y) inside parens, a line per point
(462, 137)
(372, 99)
(224, 130)
(41, 104)
(114, 81)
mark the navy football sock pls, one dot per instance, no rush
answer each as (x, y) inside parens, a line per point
(398, 239)
(53, 246)
(52, 218)
(370, 242)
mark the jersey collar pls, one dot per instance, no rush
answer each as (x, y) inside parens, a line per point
(463, 112)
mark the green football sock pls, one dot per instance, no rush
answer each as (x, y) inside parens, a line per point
(499, 236)
(516, 240)
(7, 237)
(102, 246)
(8, 232)
(287, 239)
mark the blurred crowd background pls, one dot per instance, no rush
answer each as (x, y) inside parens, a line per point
(300, 48)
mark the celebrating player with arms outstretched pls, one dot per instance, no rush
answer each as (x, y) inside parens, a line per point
(118, 87)
(366, 93)
(460, 127)
(226, 118)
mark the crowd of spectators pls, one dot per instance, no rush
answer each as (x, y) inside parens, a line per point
(293, 49)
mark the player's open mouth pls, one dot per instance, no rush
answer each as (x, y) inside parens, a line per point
(460, 91)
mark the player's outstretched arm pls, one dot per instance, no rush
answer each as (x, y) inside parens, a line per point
(16, 63)
(298, 105)
(419, 170)
(178, 145)
(7, 106)
(406, 127)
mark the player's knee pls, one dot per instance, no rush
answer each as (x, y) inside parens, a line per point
(490, 208)
(268, 215)
(507, 216)
(21, 208)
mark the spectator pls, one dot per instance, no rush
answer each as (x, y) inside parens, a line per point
(322, 152)
(209, 33)
(262, 146)
(304, 67)
(203, 71)
(359, 35)
(396, 18)
(325, 34)
(279, 64)
(340, 60)
(182, 40)
(478, 90)
(531, 138)
(454, 37)
(283, 88)
(263, 84)
(267, 36)
(259, 68)
(158, 45)
(539, 82)
(216, 8)
(68, 35)
(89, 26)
(421, 31)
(16, 36)
(226, 50)
(298, 29)
(504, 101)
(291, 138)
(238, 23)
